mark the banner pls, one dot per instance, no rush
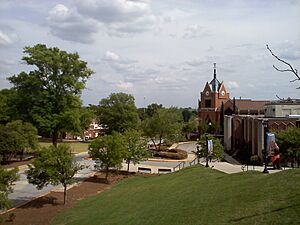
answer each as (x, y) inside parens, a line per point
(271, 143)
(210, 146)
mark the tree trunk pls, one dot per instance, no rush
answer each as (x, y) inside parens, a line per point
(128, 163)
(65, 193)
(153, 140)
(106, 175)
(55, 137)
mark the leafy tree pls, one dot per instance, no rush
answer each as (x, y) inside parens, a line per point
(109, 151)
(289, 143)
(152, 109)
(17, 137)
(7, 105)
(7, 178)
(118, 112)
(49, 96)
(55, 165)
(136, 147)
(164, 124)
(217, 147)
(191, 126)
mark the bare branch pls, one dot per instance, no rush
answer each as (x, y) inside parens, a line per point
(291, 68)
(281, 70)
(279, 98)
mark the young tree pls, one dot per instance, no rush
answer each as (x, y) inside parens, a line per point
(164, 124)
(217, 147)
(49, 96)
(118, 112)
(15, 138)
(136, 150)
(109, 151)
(7, 178)
(289, 143)
(290, 68)
(55, 165)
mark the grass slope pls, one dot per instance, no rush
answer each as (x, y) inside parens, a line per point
(195, 195)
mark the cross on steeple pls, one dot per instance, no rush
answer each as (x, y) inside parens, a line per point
(215, 71)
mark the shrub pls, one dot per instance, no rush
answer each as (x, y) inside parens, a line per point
(173, 154)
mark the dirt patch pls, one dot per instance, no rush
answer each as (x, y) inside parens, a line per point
(42, 210)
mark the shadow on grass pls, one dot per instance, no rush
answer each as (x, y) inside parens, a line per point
(263, 213)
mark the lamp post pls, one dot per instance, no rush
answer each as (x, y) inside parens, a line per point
(265, 152)
(206, 141)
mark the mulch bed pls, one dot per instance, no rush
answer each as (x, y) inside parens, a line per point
(42, 210)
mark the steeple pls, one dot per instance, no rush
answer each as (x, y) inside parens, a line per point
(215, 71)
(215, 84)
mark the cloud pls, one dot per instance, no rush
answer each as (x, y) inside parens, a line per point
(112, 57)
(119, 17)
(194, 31)
(126, 86)
(232, 85)
(67, 24)
(7, 37)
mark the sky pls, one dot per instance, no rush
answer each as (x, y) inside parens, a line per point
(161, 51)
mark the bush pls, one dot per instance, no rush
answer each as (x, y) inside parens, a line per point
(173, 154)
(255, 160)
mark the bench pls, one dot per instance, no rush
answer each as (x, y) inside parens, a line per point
(144, 170)
(164, 170)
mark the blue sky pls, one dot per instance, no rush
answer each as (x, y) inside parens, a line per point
(161, 51)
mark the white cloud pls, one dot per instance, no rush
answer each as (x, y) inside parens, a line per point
(119, 17)
(67, 24)
(232, 85)
(194, 31)
(7, 38)
(126, 86)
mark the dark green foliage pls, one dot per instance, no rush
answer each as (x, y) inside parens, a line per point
(7, 177)
(118, 112)
(109, 150)
(55, 165)
(7, 105)
(49, 96)
(217, 147)
(15, 138)
(136, 150)
(289, 144)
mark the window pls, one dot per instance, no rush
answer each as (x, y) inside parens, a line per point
(207, 103)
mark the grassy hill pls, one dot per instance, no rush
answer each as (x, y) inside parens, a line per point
(195, 195)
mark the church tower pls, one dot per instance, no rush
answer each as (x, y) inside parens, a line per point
(212, 97)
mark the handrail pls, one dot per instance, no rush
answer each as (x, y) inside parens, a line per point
(179, 166)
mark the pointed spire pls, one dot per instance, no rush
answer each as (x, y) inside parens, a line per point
(215, 71)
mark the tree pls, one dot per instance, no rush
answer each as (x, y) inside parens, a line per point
(217, 147)
(152, 109)
(136, 150)
(290, 67)
(49, 96)
(118, 112)
(55, 165)
(7, 178)
(7, 105)
(15, 138)
(289, 143)
(190, 127)
(109, 151)
(164, 124)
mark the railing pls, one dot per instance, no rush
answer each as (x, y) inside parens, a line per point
(194, 161)
(179, 166)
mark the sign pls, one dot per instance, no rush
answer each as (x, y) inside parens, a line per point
(271, 143)
(210, 146)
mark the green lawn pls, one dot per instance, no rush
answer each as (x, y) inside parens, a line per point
(76, 147)
(196, 195)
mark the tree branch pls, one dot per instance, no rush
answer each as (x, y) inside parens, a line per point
(294, 71)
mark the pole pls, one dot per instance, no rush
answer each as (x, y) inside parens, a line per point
(265, 125)
(206, 151)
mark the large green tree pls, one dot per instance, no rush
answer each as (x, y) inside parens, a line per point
(55, 165)
(17, 137)
(118, 112)
(109, 151)
(164, 124)
(49, 95)
(7, 178)
(7, 105)
(136, 150)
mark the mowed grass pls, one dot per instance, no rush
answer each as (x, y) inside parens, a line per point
(195, 195)
(76, 147)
